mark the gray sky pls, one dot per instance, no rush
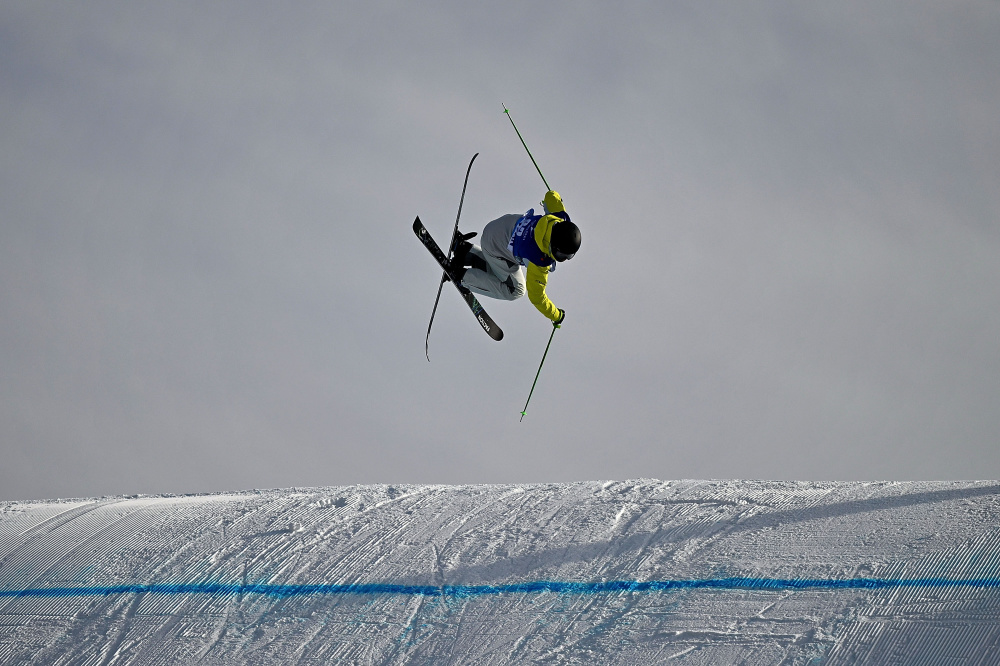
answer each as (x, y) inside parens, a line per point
(208, 280)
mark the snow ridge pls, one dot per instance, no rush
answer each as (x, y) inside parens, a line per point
(636, 572)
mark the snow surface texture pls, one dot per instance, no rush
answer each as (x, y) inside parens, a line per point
(636, 572)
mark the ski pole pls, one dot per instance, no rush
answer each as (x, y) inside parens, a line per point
(554, 327)
(507, 111)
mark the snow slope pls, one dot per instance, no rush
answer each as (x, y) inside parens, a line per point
(635, 572)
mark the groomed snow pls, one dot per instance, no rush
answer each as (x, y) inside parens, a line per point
(633, 572)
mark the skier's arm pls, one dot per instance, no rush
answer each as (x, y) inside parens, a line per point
(537, 278)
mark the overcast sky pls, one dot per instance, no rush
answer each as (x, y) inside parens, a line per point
(790, 265)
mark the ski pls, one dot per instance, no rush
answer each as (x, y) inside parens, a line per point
(482, 317)
(451, 250)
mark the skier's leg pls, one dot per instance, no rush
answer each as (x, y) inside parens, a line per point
(501, 276)
(494, 279)
(508, 290)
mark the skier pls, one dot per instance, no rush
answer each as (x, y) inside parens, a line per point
(509, 242)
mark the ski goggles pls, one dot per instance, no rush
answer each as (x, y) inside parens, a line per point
(562, 256)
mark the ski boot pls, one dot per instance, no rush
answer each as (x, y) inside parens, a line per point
(460, 256)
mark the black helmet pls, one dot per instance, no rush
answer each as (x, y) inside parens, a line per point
(565, 240)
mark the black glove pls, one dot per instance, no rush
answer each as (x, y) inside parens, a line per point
(558, 322)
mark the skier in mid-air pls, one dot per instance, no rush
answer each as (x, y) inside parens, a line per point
(537, 242)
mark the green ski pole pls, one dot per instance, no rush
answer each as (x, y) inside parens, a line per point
(507, 111)
(554, 327)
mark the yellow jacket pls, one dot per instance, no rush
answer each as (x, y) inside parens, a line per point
(538, 276)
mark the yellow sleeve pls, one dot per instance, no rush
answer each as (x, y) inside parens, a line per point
(537, 278)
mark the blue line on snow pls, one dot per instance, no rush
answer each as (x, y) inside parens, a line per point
(533, 587)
